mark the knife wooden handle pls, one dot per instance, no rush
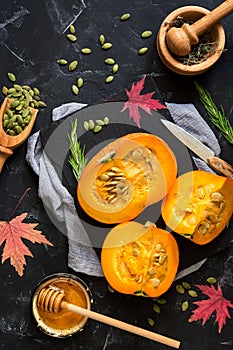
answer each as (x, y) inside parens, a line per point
(221, 167)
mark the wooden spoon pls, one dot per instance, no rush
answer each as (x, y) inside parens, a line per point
(180, 40)
(8, 142)
(52, 300)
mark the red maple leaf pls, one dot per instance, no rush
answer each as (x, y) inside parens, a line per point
(12, 233)
(216, 302)
(135, 100)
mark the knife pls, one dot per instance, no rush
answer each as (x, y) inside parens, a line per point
(203, 152)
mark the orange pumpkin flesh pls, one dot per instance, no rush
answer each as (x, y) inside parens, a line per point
(140, 260)
(125, 177)
(199, 205)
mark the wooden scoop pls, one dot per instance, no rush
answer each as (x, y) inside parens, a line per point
(8, 142)
(180, 40)
(52, 300)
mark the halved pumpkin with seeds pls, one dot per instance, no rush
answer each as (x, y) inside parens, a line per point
(199, 205)
(139, 259)
(127, 175)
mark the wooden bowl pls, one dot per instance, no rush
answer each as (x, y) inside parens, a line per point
(192, 13)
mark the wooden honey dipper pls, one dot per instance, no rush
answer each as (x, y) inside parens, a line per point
(180, 40)
(52, 300)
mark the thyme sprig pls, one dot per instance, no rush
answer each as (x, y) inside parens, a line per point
(77, 157)
(217, 116)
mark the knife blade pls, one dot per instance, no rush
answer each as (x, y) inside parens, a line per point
(201, 150)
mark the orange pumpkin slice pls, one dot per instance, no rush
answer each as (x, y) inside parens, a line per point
(139, 259)
(125, 177)
(199, 205)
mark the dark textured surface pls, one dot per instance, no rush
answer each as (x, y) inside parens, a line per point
(32, 38)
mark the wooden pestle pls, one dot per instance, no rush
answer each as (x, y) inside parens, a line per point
(52, 300)
(180, 40)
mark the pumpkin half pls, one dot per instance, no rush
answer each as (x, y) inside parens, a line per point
(127, 175)
(139, 259)
(199, 205)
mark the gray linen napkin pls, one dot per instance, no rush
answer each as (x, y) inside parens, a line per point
(81, 256)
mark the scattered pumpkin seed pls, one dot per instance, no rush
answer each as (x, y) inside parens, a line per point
(11, 77)
(180, 289)
(125, 16)
(109, 61)
(5, 90)
(115, 68)
(109, 79)
(143, 50)
(150, 321)
(161, 301)
(146, 34)
(106, 46)
(71, 37)
(184, 306)
(106, 120)
(97, 128)
(62, 61)
(75, 89)
(86, 125)
(156, 308)
(17, 87)
(91, 124)
(102, 39)
(186, 285)
(192, 293)
(211, 280)
(36, 91)
(99, 122)
(42, 104)
(111, 289)
(72, 29)
(86, 50)
(73, 65)
(80, 82)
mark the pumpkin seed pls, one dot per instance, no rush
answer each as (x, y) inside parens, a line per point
(115, 68)
(62, 61)
(109, 79)
(75, 89)
(186, 285)
(146, 34)
(143, 50)
(180, 289)
(109, 61)
(161, 301)
(184, 306)
(99, 122)
(192, 293)
(42, 104)
(4, 90)
(110, 289)
(9, 113)
(71, 37)
(73, 65)
(80, 82)
(26, 87)
(125, 16)
(211, 280)
(72, 29)
(86, 50)
(106, 120)
(156, 308)
(102, 39)
(14, 104)
(150, 321)
(91, 124)
(11, 77)
(86, 125)
(97, 128)
(17, 87)
(11, 90)
(106, 46)
(11, 132)
(18, 129)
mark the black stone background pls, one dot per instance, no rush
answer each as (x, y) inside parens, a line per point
(32, 38)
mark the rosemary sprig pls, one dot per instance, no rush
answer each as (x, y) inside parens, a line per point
(217, 116)
(77, 157)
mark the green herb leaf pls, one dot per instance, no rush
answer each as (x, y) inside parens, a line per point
(217, 116)
(77, 157)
